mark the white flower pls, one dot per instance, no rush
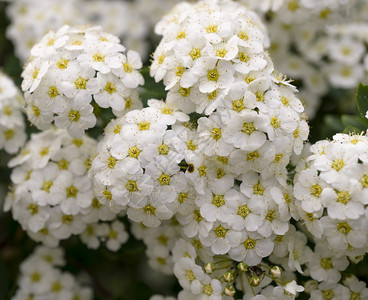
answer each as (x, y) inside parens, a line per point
(76, 117)
(211, 136)
(189, 274)
(221, 238)
(126, 67)
(341, 234)
(111, 92)
(115, 234)
(253, 247)
(325, 266)
(293, 288)
(151, 213)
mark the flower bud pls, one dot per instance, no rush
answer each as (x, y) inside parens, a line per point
(228, 276)
(209, 268)
(255, 281)
(276, 271)
(229, 290)
(243, 267)
(310, 286)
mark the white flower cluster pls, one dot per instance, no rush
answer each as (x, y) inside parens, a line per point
(223, 178)
(113, 233)
(332, 193)
(32, 19)
(73, 68)
(41, 277)
(132, 21)
(12, 127)
(52, 195)
(205, 49)
(137, 164)
(330, 52)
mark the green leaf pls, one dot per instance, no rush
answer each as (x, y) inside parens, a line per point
(333, 123)
(355, 121)
(362, 99)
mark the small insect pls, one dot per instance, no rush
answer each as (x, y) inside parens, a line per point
(190, 168)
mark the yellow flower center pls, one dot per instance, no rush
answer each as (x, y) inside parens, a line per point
(278, 158)
(74, 115)
(144, 125)
(275, 122)
(179, 71)
(344, 227)
(248, 128)
(78, 142)
(328, 294)
(316, 190)
(67, 219)
(9, 134)
(216, 133)
(202, 171)
(131, 186)
(218, 200)
(252, 156)
(183, 197)
(337, 164)
(197, 216)
(163, 149)
(326, 263)
(212, 95)
(181, 35)
(343, 197)
(47, 186)
(164, 179)
(285, 101)
(98, 57)
(7, 110)
(53, 92)
(211, 29)
(191, 145)
(185, 92)
(238, 105)
(33, 209)
(293, 5)
(243, 35)
(80, 83)
(189, 275)
(244, 57)
(271, 215)
(364, 181)
(127, 68)
(36, 110)
(71, 192)
(44, 151)
(213, 75)
(220, 231)
(149, 209)
(111, 162)
(221, 52)
(63, 164)
(249, 243)
(110, 87)
(134, 152)
(258, 189)
(195, 53)
(243, 211)
(62, 63)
